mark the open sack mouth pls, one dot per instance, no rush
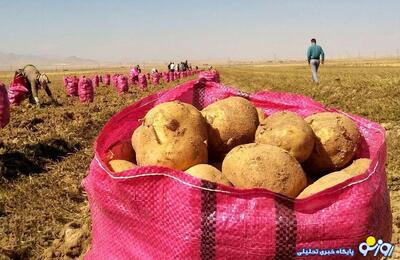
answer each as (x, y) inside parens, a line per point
(194, 217)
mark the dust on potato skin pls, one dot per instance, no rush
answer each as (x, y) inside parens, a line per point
(357, 167)
(208, 172)
(337, 141)
(264, 166)
(121, 165)
(289, 131)
(231, 122)
(172, 134)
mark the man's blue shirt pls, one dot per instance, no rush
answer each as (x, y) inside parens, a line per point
(314, 52)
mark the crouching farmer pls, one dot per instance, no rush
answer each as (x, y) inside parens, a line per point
(36, 80)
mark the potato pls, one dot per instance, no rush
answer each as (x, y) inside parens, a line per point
(337, 141)
(356, 168)
(289, 131)
(121, 165)
(264, 166)
(209, 173)
(172, 134)
(261, 115)
(231, 122)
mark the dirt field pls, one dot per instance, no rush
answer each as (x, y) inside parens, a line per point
(45, 153)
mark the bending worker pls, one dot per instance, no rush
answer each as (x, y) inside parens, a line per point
(36, 80)
(314, 53)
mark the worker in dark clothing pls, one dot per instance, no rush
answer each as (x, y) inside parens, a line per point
(36, 80)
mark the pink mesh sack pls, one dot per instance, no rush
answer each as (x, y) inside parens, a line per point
(160, 213)
(166, 77)
(72, 86)
(18, 90)
(134, 76)
(122, 84)
(114, 80)
(212, 75)
(96, 81)
(171, 76)
(106, 80)
(177, 75)
(65, 80)
(85, 90)
(155, 78)
(142, 81)
(4, 106)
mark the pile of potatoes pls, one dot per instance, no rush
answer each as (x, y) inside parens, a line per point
(231, 142)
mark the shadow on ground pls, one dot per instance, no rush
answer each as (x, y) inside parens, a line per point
(32, 159)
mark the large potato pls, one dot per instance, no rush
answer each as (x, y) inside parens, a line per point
(337, 141)
(209, 173)
(231, 122)
(172, 134)
(264, 166)
(289, 131)
(356, 168)
(121, 165)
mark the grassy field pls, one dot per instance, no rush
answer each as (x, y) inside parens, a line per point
(45, 153)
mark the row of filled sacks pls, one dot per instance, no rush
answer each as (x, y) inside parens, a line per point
(73, 84)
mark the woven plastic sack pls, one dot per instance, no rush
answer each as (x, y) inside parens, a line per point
(85, 90)
(114, 79)
(96, 80)
(72, 86)
(134, 76)
(159, 213)
(155, 78)
(142, 81)
(106, 80)
(4, 106)
(18, 91)
(211, 75)
(65, 80)
(122, 84)
(165, 76)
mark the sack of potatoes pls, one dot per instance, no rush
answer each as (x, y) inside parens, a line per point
(233, 143)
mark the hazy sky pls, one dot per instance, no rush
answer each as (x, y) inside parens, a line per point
(206, 29)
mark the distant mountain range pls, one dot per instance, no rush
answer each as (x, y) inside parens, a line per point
(11, 59)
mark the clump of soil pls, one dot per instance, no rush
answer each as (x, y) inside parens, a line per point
(73, 241)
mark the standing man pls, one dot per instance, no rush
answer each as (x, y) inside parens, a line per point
(172, 67)
(314, 53)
